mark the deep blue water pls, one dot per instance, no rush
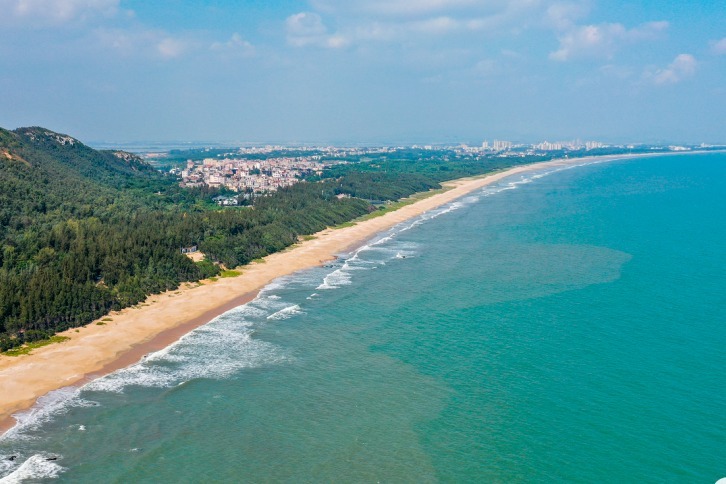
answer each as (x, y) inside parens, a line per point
(567, 326)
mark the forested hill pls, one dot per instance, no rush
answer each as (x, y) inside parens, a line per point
(58, 154)
(42, 171)
(83, 232)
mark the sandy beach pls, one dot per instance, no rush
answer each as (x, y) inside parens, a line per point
(99, 349)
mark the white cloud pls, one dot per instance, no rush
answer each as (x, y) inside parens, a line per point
(603, 40)
(236, 45)
(41, 12)
(562, 16)
(404, 20)
(414, 21)
(170, 48)
(143, 42)
(396, 8)
(682, 67)
(719, 47)
(305, 24)
(336, 41)
(307, 29)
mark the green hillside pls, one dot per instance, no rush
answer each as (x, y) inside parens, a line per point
(83, 232)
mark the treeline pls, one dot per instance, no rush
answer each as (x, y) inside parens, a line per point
(382, 186)
(83, 232)
(80, 269)
(421, 165)
(238, 236)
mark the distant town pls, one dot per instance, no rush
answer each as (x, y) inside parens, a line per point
(251, 171)
(248, 176)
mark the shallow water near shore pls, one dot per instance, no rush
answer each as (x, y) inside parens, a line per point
(562, 325)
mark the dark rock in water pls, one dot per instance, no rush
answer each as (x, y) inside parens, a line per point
(51, 458)
(12, 457)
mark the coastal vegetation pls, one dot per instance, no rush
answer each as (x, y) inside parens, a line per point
(84, 232)
(28, 347)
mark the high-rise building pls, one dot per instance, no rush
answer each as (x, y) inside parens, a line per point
(502, 145)
(547, 146)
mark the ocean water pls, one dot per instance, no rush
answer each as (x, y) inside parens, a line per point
(560, 326)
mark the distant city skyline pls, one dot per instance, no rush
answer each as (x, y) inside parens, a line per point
(370, 71)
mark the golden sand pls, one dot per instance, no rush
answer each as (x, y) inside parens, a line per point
(98, 349)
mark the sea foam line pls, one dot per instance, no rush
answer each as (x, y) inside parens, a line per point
(59, 401)
(36, 467)
(215, 350)
(285, 313)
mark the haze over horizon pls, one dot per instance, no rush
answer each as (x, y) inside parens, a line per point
(368, 71)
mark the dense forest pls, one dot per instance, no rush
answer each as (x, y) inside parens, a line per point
(84, 232)
(413, 164)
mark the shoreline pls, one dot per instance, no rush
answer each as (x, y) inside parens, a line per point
(99, 349)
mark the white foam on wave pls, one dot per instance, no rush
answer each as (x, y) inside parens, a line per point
(46, 407)
(225, 345)
(379, 241)
(276, 285)
(384, 251)
(269, 299)
(386, 245)
(7, 465)
(432, 214)
(285, 313)
(335, 279)
(413, 224)
(456, 205)
(201, 352)
(36, 467)
(248, 311)
(263, 305)
(216, 350)
(493, 190)
(536, 175)
(395, 250)
(508, 184)
(342, 275)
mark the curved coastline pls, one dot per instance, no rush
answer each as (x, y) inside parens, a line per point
(96, 350)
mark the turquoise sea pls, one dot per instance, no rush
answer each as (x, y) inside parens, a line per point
(559, 326)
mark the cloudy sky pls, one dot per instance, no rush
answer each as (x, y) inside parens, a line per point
(366, 70)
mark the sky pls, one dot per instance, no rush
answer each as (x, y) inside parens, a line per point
(366, 71)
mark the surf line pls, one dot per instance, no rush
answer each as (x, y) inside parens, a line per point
(176, 313)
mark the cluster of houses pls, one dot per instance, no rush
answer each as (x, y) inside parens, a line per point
(250, 176)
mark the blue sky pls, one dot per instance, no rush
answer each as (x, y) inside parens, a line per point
(365, 71)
